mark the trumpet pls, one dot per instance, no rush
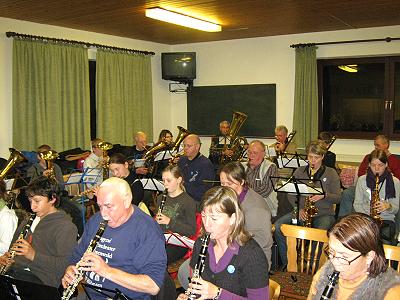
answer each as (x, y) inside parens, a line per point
(69, 291)
(22, 235)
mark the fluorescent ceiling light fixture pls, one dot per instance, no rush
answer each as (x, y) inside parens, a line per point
(182, 20)
(349, 68)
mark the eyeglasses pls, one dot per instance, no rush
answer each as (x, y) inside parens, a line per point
(339, 259)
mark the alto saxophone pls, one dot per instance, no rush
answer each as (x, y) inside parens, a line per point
(375, 199)
(199, 267)
(309, 206)
(22, 235)
(69, 291)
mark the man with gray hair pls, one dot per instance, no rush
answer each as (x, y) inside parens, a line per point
(219, 144)
(130, 255)
(282, 143)
(258, 173)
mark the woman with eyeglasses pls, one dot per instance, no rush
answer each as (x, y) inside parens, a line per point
(235, 266)
(356, 252)
(389, 194)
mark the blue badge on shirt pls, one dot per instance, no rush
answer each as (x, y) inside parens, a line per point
(230, 269)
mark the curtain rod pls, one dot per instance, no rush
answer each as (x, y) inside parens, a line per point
(388, 40)
(10, 34)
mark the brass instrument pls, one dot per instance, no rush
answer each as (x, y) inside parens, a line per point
(15, 157)
(69, 291)
(333, 139)
(105, 146)
(199, 267)
(152, 152)
(375, 199)
(49, 156)
(309, 206)
(22, 235)
(236, 142)
(183, 133)
(287, 142)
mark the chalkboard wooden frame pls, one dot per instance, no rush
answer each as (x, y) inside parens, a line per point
(207, 106)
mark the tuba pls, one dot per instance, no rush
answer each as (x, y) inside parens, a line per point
(105, 146)
(309, 206)
(236, 143)
(183, 133)
(49, 156)
(15, 157)
(375, 199)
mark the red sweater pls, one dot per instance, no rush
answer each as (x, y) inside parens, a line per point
(393, 164)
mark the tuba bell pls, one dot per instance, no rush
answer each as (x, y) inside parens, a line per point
(236, 142)
(183, 133)
(15, 157)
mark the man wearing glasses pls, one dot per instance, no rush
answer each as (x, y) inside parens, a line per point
(196, 168)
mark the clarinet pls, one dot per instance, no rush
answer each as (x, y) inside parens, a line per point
(199, 267)
(69, 291)
(328, 291)
(22, 235)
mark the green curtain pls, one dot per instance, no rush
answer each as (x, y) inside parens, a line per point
(123, 96)
(51, 100)
(305, 117)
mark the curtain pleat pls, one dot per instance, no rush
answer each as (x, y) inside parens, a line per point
(51, 100)
(305, 117)
(123, 96)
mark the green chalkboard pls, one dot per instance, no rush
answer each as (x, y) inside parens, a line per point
(208, 105)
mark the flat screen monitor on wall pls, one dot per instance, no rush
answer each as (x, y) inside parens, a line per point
(178, 66)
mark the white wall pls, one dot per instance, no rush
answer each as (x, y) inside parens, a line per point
(161, 96)
(245, 61)
(271, 60)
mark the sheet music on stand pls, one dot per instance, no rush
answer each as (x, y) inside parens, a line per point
(152, 184)
(173, 238)
(16, 182)
(270, 151)
(88, 176)
(164, 155)
(292, 161)
(115, 294)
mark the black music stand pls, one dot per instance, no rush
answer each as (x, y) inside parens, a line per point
(292, 161)
(11, 289)
(300, 187)
(115, 294)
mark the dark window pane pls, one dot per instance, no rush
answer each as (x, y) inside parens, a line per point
(353, 101)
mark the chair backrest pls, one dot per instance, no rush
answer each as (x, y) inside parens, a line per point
(392, 254)
(304, 248)
(274, 290)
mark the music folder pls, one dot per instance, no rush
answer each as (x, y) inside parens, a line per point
(173, 238)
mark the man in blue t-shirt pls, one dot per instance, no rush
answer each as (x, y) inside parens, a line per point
(130, 255)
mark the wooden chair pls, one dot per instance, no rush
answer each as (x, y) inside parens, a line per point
(392, 254)
(274, 290)
(307, 261)
(305, 256)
